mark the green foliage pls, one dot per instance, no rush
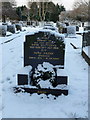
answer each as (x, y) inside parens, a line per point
(22, 12)
(18, 11)
(39, 11)
(51, 11)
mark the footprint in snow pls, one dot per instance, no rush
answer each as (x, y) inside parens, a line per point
(8, 78)
(11, 51)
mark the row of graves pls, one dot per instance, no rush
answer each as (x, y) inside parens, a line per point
(32, 23)
(86, 43)
(67, 29)
(7, 29)
(44, 54)
(71, 30)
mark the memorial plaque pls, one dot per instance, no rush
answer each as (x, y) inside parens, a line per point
(43, 47)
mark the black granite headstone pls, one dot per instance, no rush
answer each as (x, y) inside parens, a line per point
(67, 24)
(86, 39)
(43, 47)
(28, 23)
(86, 28)
(11, 28)
(64, 30)
(77, 28)
(19, 27)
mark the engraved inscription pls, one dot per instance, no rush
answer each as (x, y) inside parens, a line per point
(43, 50)
(39, 49)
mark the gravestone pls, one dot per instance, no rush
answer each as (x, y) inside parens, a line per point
(67, 24)
(86, 45)
(86, 39)
(71, 30)
(86, 28)
(11, 28)
(18, 27)
(3, 30)
(64, 30)
(43, 47)
(43, 51)
(77, 28)
(28, 23)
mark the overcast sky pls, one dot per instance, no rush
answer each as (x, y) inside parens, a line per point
(67, 3)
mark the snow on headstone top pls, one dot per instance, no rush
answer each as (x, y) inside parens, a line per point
(57, 34)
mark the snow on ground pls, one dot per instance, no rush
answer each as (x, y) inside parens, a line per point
(22, 105)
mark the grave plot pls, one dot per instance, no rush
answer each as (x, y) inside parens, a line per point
(45, 53)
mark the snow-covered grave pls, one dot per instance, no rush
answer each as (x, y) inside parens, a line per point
(22, 105)
(43, 48)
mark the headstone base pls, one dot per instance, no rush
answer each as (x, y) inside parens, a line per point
(55, 92)
(22, 79)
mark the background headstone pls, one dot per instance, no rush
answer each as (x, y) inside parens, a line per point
(86, 39)
(64, 30)
(3, 30)
(28, 23)
(18, 27)
(11, 28)
(71, 30)
(77, 28)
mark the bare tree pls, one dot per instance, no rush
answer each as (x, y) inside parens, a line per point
(8, 9)
(80, 10)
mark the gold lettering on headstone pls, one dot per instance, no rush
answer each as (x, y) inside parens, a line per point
(43, 50)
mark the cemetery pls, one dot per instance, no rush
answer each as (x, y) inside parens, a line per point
(45, 59)
(44, 64)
